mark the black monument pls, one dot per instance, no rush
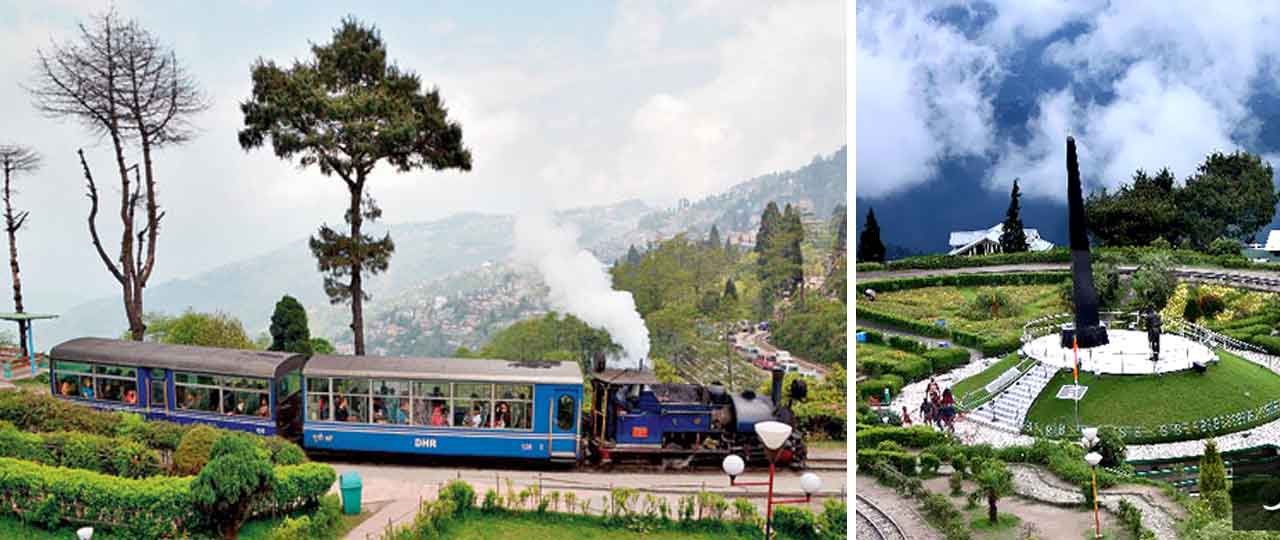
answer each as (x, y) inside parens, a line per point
(1087, 331)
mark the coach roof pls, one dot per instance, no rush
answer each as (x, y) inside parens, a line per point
(178, 357)
(456, 369)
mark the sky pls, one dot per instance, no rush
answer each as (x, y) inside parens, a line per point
(1139, 84)
(562, 104)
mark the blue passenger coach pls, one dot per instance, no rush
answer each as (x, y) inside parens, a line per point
(254, 391)
(443, 406)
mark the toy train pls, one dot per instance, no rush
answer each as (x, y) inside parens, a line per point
(524, 410)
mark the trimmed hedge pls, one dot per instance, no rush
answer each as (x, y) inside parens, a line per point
(907, 344)
(875, 386)
(966, 280)
(156, 507)
(907, 325)
(1125, 255)
(911, 368)
(904, 462)
(910, 437)
(946, 359)
(297, 486)
(110, 455)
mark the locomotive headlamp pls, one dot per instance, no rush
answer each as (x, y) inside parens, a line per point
(773, 434)
(733, 465)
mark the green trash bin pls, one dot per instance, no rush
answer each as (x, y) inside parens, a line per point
(350, 484)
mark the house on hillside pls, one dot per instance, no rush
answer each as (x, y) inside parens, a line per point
(987, 241)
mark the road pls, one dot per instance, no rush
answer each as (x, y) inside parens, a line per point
(394, 492)
(760, 338)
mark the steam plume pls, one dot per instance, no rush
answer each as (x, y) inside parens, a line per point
(580, 284)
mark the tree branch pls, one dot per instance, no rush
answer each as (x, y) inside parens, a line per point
(93, 214)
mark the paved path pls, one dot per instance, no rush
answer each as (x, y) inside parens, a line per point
(1159, 513)
(399, 489)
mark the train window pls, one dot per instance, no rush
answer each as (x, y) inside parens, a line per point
(318, 406)
(565, 412)
(471, 413)
(246, 403)
(198, 398)
(391, 388)
(69, 378)
(158, 394)
(391, 410)
(351, 386)
(351, 408)
(514, 406)
(431, 403)
(474, 391)
(111, 383)
(289, 384)
(317, 385)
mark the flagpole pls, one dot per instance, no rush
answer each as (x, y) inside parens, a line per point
(1075, 375)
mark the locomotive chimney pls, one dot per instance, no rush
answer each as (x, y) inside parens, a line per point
(775, 389)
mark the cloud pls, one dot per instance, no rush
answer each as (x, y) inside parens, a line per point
(922, 97)
(1176, 80)
(637, 28)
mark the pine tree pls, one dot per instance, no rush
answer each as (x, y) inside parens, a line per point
(1213, 474)
(730, 290)
(289, 330)
(1013, 239)
(728, 249)
(713, 239)
(633, 256)
(870, 248)
(768, 225)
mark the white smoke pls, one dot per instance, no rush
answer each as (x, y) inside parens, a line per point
(580, 284)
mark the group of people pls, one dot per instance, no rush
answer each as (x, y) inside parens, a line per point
(396, 411)
(111, 390)
(938, 408)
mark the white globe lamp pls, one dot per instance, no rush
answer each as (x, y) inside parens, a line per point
(85, 533)
(810, 483)
(733, 465)
(1093, 458)
(1090, 434)
(773, 434)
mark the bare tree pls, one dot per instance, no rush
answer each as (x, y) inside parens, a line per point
(16, 159)
(121, 83)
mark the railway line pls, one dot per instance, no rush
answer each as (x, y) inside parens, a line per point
(872, 522)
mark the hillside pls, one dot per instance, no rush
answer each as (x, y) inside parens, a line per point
(450, 282)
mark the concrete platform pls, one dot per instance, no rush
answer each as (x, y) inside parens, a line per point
(1127, 354)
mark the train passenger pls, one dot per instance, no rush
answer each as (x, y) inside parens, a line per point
(502, 418)
(86, 387)
(438, 417)
(131, 397)
(475, 419)
(323, 408)
(67, 389)
(264, 410)
(379, 416)
(402, 412)
(340, 411)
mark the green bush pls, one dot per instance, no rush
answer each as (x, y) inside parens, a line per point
(873, 337)
(296, 486)
(156, 507)
(956, 483)
(193, 452)
(1111, 446)
(889, 446)
(462, 495)
(110, 455)
(875, 386)
(929, 464)
(292, 529)
(941, 360)
(904, 462)
(238, 472)
(795, 522)
(282, 451)
(910, 437)
(990, 304)
(907, 344)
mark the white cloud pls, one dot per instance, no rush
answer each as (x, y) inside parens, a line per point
(637, 28)
(1181, 77)
(922, 97)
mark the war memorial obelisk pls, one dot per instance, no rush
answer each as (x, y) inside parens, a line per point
(1087, 331)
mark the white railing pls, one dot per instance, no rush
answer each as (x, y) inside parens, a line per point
(1052, 324)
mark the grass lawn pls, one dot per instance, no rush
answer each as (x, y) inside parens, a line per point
(1006, 527)
(529, 527)
(984, 377)
(1229, 386)
(258, 529)
(930, 303)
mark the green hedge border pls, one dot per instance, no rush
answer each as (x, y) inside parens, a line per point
(1062, 255)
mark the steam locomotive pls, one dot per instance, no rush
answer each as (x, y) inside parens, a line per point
(636, 418)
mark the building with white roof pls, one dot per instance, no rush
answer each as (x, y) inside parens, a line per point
(987, 241)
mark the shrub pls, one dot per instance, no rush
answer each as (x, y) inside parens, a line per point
(236, 474)
(907, 344)
(941, 360)
(110, 455)
(904, 462)
(990, 304)
(910, 437)
(462, 495)
(834, 521)
(890, 446)
(745, 512)
(1111, 446)
(292, 529)
(929, 464)
(876, 386)
(957, 483)
(327, 517)
(282, 451)
(492, 502)
(795, 522)
(296, 486)
(193, 452)
(156, 507)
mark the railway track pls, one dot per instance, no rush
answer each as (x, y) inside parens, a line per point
(872, 522)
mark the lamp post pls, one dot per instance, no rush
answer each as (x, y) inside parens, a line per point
(773, 435)
(1093, 458)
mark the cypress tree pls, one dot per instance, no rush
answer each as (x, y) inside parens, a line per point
(713, 239)
(769, 222)
(1013, 239)
(1213, 474)
(730, 290)
(289, 330)
(633, 256)
(870, 248)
